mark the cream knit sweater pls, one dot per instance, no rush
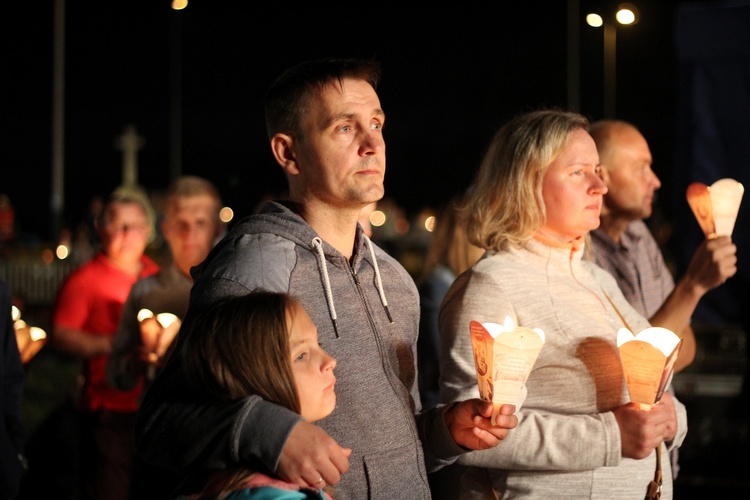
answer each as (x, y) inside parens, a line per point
(567, 443)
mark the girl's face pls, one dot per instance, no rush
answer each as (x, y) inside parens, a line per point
(311, 365)
(573, 190)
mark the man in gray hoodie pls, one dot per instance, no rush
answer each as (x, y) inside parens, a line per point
(325, 122)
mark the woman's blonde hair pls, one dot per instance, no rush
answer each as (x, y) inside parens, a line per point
(450, 244)
(505, 205)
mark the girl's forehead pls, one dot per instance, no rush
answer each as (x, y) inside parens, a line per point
(300, 326)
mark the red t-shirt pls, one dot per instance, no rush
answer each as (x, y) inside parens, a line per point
(91, 299)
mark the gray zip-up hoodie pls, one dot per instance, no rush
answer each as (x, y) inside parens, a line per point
(367, 315)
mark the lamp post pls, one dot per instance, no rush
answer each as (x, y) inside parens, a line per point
(574, 56)
(175, 89)
(626, 15)
(57, 198)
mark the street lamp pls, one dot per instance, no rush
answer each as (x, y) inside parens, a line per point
(626, 15)
(175, 89)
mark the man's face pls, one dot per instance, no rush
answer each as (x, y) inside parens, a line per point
(341, 154)
(190, 227)
(628, 175)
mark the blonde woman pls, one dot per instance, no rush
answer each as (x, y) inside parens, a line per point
(537, 194)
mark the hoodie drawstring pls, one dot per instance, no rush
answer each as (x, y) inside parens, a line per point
(383, 300)
(317, 244)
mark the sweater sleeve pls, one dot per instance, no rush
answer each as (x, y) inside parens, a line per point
(222, 434)
(548, 441)
(439, 447)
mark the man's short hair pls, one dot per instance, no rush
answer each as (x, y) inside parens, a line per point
(289, 96)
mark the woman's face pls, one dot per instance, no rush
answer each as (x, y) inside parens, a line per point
(311, 365)
(572, 189)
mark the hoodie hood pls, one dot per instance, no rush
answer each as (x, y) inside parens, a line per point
(279, 218)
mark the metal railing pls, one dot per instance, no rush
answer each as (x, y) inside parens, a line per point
(35, 282)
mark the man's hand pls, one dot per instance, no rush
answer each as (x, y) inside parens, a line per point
(714, 261)
(471, 427)
(167, 335)
(312, 458)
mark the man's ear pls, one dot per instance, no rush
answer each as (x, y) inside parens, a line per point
(283, 151)
(604, 174)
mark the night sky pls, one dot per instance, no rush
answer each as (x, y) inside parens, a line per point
(450, 78)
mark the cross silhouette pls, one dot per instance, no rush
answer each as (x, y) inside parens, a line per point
(129, 142)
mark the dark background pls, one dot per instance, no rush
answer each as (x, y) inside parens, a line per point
(452, 76)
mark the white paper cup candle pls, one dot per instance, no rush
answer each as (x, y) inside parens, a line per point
(504, 356)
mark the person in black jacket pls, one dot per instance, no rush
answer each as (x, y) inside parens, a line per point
(11, 390)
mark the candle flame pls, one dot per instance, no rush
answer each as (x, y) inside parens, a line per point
(37, 333)
(166, 319)
(144, 314)
(663, 339)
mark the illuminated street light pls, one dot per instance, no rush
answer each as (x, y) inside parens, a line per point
(626, 15)
(594, 20)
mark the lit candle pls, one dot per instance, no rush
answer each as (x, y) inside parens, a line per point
(504, 356)
(716, 206)
(157, 333)
(30, 339)
(699, 200)
(150, 329)
(647, 361)
(726, 195)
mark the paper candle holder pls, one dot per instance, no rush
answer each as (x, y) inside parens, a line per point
(151, 337)
(30, 339)
(716, 206)
(157, 333)
(648, 362)
(503, 357)
(164, 319)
